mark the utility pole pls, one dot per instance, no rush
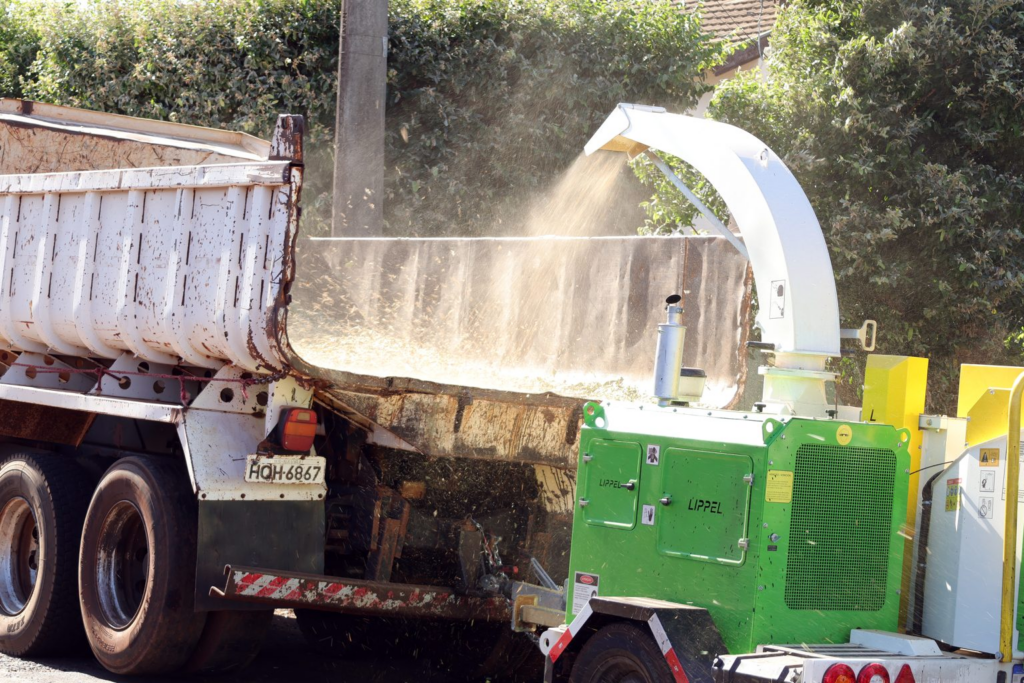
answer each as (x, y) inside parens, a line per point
(359, 137)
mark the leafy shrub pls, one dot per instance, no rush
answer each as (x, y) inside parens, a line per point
(487, 99)
(497, 96)
(18, 45)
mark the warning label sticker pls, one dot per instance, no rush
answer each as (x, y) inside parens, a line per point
(584, 587)
(653, 454)
(779, 487)
(952, 495)
(987, 481)
(648, 515)
(988, 457)
(986, 507)
(777, 305)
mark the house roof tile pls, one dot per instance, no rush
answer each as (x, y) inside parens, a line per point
(736, 20)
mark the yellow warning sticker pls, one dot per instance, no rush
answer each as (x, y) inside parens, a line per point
(844, 434)
(988, 457)
(779, 488)
(952, 495)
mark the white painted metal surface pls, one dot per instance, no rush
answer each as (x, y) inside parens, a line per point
(700, 425)
(46, 138)
(965, 545)
(945, 668)
(896, 643)
(174, 265)
(787, 249)
(217, 445)
(103, 405)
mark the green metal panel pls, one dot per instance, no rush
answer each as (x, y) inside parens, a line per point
(630, 564)
(823, 516)
(609, 476)
(836, 560)
(709, 505)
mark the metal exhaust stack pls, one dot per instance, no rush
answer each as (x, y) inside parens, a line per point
(674, 384)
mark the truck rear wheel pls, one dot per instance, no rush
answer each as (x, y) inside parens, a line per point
(230, 641)
(136, 572)
(621, 653)
(43, 498)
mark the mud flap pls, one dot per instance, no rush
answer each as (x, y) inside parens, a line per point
(283, 535)
(686, 635)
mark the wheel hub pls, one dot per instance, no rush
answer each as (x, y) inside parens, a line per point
(19, 555)
(122, 565)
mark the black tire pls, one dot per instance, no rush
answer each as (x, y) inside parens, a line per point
(230, 641)
(43, 498)
(499, 654)
(136, 572)
(621, 653)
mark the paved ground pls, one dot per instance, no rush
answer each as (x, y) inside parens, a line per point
(285, 658)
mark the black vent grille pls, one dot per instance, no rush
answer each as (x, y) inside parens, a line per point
(840, 528)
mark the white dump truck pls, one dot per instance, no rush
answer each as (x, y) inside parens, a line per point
(156, 425)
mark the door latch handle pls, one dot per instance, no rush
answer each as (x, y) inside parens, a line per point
(629, 485)
(667, 500)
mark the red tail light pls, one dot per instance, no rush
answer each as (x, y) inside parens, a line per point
(873, 673)
(298, 428)
(839, 673)
(905, 675)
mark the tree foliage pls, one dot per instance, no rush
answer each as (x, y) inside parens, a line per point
(18, 46)
(903, 121)
(487, 99)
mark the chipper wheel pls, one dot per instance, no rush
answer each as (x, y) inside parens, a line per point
(136, 571)
(621, 653)
(43, 498)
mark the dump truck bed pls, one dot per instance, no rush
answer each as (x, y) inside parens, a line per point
(191, 262)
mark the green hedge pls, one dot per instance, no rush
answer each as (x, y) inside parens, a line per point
(487, 99)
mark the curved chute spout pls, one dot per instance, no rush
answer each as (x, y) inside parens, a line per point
(799, 310)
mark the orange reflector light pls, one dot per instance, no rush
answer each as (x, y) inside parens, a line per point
(873, 673)
(298, 430)
(839, 673)
(905, 675)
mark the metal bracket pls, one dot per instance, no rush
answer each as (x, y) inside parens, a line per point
(869, 330)
(718, 225)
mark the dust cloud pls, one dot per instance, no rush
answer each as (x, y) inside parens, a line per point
(565, 298)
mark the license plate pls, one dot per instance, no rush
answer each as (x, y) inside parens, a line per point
(261, 469)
